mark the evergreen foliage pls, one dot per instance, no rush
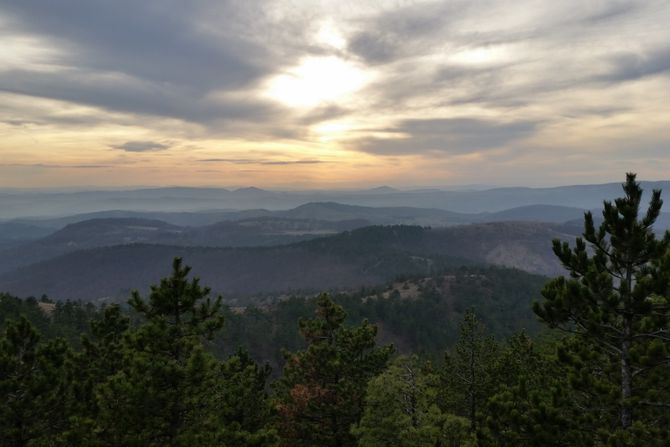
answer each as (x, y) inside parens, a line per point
(531, 405)
(242, 402)
(31, 387)
(321, 394)
(149, 384)
(401, 409)
(162, 394)
(616, 303)
(469, 371)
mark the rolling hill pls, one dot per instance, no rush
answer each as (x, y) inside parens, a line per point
(107, 232)
(363, 257)
(12, 233)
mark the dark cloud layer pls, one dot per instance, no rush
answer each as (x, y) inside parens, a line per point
(250, 161)
(134, 96)
(153, 40)
(448, 136)
(633, 66)
(54, 166)
(141, 146)
(155, 58)
(406, 31)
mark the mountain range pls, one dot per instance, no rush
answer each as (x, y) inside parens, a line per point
(14, 204)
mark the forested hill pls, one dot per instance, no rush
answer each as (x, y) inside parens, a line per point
(418, 314)
(105, 232)
(365, 257)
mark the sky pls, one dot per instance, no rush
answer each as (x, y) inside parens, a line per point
(332, 94)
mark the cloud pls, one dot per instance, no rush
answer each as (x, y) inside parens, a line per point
(325, 113)
(633, 66)
(613, 10)
(511, 52)
(19, 122)
(448, 136)
(141, 146)
(54, 166)
(406, 31)
(161, 58)
(249, 161)
(155, 40)
(121, 93)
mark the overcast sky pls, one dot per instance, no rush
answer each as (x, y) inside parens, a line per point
(322, 94)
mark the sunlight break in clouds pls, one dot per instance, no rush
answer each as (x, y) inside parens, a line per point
(317, 80)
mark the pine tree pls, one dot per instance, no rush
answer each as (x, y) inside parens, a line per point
(101, 357)
(531, 406)
(32, 387)
(616, 303)
(162, 395)
(469, 370)
(401, 410)
(321, 395)
(242, 403)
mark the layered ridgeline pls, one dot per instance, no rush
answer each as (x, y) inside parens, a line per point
(106, 232)
(368, 256)
(15, 204)
(24, 228)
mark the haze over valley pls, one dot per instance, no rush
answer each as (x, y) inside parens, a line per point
(366, 239)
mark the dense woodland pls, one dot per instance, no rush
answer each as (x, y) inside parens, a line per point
(178, 368)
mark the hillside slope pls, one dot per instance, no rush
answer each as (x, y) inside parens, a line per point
(364, 257)
(95, 233)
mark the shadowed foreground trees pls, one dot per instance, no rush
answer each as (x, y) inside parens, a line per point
(153, 384)
(616, 303)
(166, 373)
(32, 378)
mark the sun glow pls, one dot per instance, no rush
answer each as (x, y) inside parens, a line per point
(317, 80)
(332, 130)
(481, 55)
(329, 36)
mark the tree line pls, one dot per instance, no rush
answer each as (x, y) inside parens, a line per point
(598, 375)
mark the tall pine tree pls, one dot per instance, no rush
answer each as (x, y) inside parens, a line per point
(162, 395)
(321, 395)
(616, 303)
(469, 370)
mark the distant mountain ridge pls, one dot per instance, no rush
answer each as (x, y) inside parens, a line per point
(328, 211)
(17, 204)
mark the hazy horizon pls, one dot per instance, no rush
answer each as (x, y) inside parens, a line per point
(343, 189)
